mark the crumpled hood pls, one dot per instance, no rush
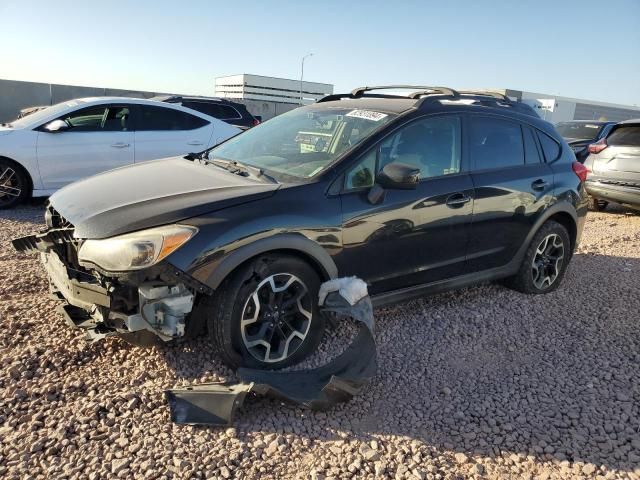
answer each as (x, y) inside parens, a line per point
(150, 194)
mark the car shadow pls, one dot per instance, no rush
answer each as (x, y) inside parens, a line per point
(489, 372)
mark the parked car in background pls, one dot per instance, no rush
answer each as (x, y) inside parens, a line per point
(613, 167)
(414, 195)
(579, 134)
(233, 113)
(57, 145)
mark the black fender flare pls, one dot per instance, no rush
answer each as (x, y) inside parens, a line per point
(286, 241)
(562, 207)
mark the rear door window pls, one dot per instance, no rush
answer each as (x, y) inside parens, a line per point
(625, 135)
(495, 143)
(154, 118)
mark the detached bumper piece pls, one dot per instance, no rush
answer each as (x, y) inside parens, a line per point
(318, 389)
(43, 242)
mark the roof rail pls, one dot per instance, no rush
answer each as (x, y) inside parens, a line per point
(422, 91)
(485, 93)
(357, 92)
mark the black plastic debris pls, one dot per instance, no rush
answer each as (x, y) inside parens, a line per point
(319, 388)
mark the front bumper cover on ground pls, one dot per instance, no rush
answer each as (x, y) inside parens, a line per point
(318, 389)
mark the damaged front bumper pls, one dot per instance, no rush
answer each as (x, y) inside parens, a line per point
(137, 306)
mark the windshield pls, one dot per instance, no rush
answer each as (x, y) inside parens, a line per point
(578, 130)
(302, 142)
(41, 115)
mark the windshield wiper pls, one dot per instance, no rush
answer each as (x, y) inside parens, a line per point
(238, 168)
(5, 125)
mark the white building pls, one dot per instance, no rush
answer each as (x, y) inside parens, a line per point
(554, 108)
(271, 89)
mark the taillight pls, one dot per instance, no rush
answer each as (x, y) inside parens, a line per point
(580, 170)
(599, 146)
(256, 122)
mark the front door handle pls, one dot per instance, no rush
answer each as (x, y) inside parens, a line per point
(457, 200)
(539, 184)
(195, 142)
(120, 145)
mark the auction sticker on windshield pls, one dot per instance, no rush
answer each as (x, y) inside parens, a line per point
(367, 115)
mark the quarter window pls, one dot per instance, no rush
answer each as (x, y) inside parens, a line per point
(550, 147)
(495, 143)
(159, 118)
(362, 175)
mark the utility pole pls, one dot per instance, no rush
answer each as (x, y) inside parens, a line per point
(302, 73)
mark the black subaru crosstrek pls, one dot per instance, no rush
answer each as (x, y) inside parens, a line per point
(414, 194)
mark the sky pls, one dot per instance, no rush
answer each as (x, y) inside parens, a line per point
(577, 48)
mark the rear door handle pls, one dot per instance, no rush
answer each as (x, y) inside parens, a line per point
(457, 200)
(120, 145)
(539, 184)
(195, 142)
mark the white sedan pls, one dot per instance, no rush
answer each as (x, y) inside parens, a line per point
(50, 148)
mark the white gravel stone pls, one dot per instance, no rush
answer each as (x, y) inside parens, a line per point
(563, 402)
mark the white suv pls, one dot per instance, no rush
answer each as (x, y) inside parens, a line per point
(50, 148)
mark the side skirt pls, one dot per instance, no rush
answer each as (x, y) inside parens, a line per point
(417, 291)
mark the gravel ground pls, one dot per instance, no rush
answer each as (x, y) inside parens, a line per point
(480, 383)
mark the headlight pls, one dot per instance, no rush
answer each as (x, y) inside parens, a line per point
(135, 251)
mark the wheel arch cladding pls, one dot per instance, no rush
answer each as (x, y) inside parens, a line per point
(567, 221)
(23, 169)
(287, 244)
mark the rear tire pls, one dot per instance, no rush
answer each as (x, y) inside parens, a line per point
(545, 261)
(15, 187)
(597, 205)
(265, 314)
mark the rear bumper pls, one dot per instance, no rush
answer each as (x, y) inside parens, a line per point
(615, 193)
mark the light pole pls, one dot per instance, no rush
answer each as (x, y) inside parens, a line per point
(302, 73)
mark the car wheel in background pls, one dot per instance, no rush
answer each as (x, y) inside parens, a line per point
(597, 205)
(265, 315)
(14, 184)
(545, 261)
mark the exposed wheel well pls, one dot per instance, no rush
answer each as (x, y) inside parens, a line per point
(293, 253)
(569, 223)
(23, 170)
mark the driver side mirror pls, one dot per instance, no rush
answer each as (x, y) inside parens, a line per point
(56, 126)
(399, 176)
(395, 175)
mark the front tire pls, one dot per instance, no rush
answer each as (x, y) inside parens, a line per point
(265, 315)
(14, 184)
(545, 261)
